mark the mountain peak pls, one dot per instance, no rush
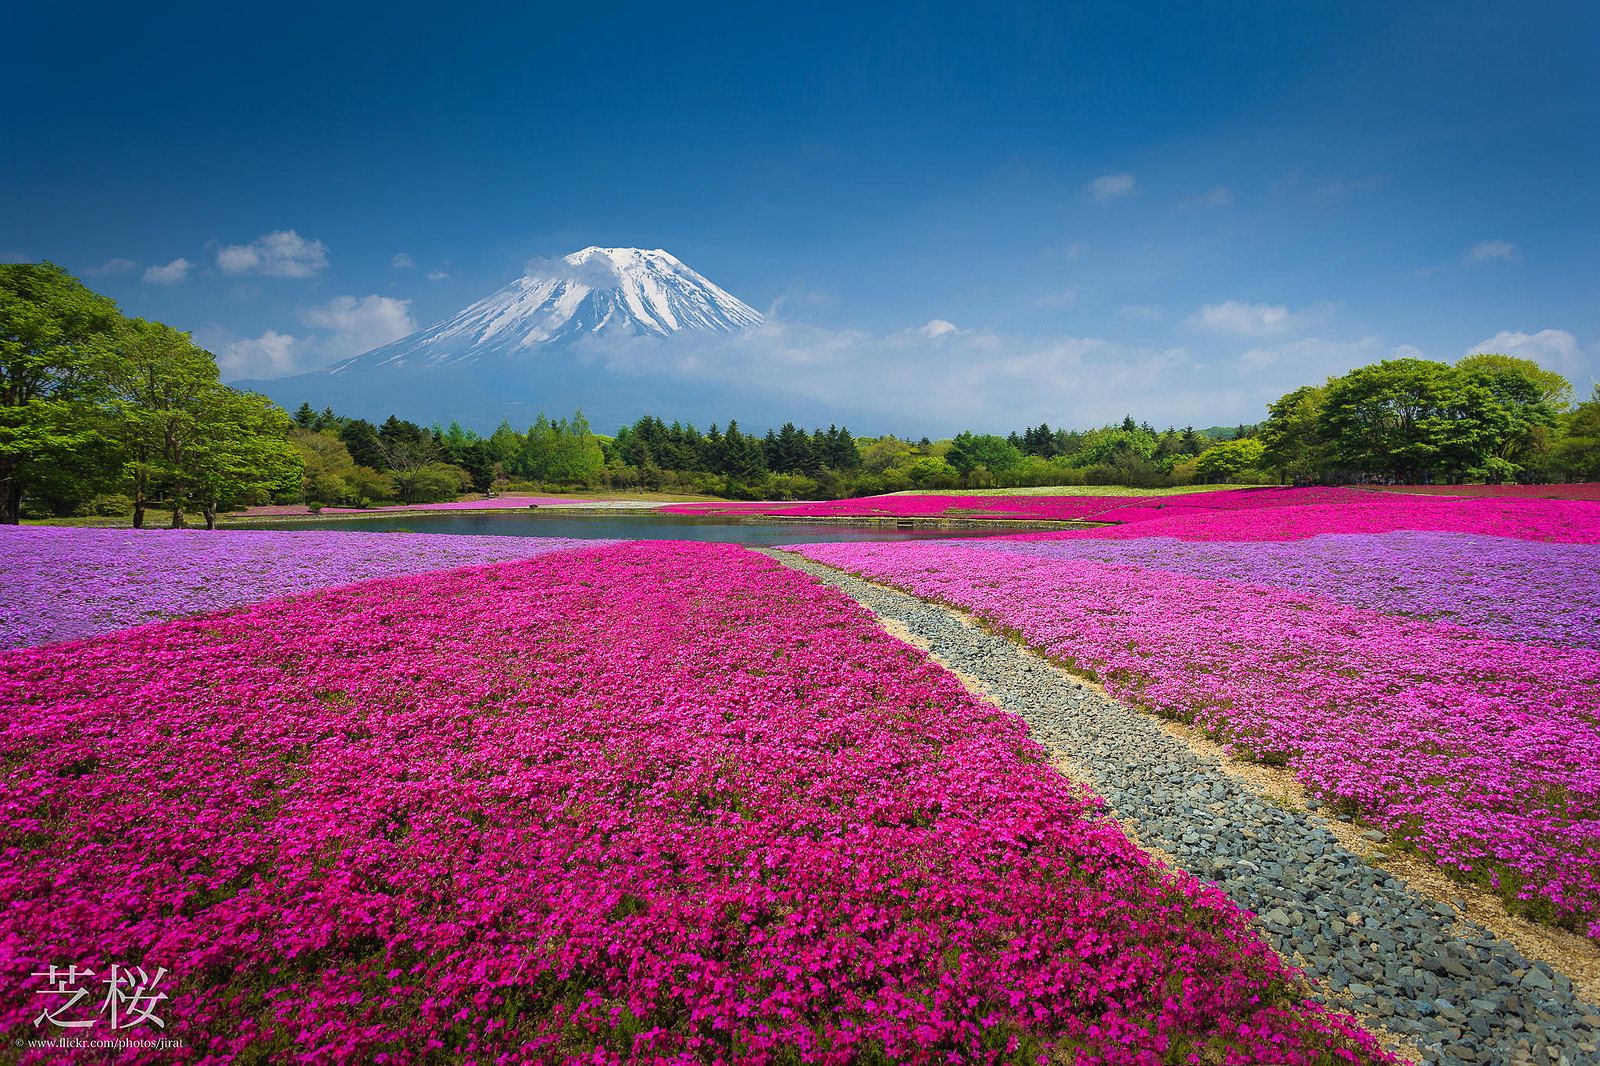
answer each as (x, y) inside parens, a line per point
(612, 292)
(622, 256)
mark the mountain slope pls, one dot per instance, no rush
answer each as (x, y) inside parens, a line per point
(533, 346)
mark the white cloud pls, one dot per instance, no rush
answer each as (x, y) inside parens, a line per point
(402, 261)
(802, 297)
(113, 266)
(1057, 300)
(359, 324)
(282, 254)
(1221, 196)
(1484, 251)
(437, 275)
(342, 327)
(1110, 186)
(1555, 349)
(965, 378)
(171, 274)
(1308, 360)
(271, 355)
(1142, 312)
(1240, 319)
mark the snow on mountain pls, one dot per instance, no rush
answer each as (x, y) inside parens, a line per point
(606, 291)
(548, 341)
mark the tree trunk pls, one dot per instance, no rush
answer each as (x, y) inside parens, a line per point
(138, 495)
(177, 514)
(11, 501)
(210, 512)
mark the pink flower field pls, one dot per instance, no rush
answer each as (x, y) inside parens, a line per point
(1229, 514)
(1446, 686)
(636, 802)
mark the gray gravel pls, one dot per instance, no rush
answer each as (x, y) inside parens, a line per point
(1401, 961)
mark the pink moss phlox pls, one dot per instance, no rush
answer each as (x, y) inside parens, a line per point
(1481, 750)
(649, 802)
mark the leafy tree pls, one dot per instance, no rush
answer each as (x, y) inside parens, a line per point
(885, 453)
(969, 451)
(159, 385)
(1105, 447)
(1411, 418)
(242, 453)
(1577, 452)
(505, 444)
(1228, 459)
(1292, 435)
(54, 338)
(932, 472)
(568, 452)
(1548, 385)
(366, 447)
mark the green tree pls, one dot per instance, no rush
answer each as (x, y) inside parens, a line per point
(159, 383)
(330, 475)
(55, 336)
(1412, 418)
(1229, 459)
(932, 472)
(968, 451)
(366, 447)
(242, 453)
(1292, 435)
(1577, 450)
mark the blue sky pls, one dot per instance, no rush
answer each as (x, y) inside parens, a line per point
(1180, 210)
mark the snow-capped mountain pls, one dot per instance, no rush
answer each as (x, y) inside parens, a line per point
(541, 344)
(613, 291)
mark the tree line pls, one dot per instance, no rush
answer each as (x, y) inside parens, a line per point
(104, 413)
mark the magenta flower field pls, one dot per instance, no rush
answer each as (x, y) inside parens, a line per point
(645, 802)
(62, 583)
(1445, 685)
(1229, 514)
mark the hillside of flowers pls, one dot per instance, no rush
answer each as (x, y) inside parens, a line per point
(61, 583)
(1445, 686)
(1228, 514)
(646, 802)
(1521, 589)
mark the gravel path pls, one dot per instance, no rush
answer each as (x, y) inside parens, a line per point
(1404, 963)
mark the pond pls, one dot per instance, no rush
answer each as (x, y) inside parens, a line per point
(625, 527)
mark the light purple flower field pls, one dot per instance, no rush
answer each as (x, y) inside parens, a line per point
(1525, 590)
(65, 583)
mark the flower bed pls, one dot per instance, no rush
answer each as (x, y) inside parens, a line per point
(1524, 590)
(62, 583)
(1230, 514)
(1481, 751)
(655, 802)
(1584, 490)
(1037, 508)
(1291, 514)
